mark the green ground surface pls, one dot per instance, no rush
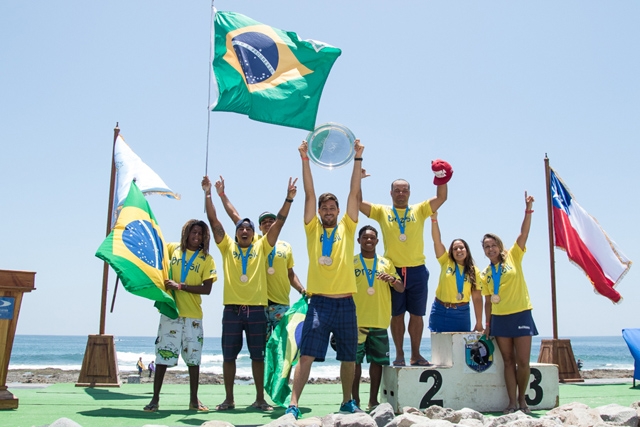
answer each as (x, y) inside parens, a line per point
(96, 407)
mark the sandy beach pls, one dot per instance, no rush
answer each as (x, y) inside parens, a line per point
(53, 376)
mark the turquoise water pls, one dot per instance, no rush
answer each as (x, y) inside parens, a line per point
(67, 352)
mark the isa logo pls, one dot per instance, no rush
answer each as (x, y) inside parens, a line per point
(6, 307)
(478, 352)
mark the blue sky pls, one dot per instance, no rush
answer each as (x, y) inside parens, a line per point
(489, 86)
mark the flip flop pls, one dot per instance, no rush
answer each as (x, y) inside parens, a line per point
(224, 406)
(151, 407)
(509, 410)
(265, 407)
(199, 408)
(420, 362)
(372, 407)
(399, 363)
(524, 410)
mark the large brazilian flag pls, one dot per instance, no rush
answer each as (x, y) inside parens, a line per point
(282, 353)
(268, 74)
(135, 249)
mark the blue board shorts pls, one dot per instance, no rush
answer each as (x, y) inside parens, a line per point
(414, 297)
(250, 319)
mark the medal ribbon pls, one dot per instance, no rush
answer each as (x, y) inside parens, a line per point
(496, 278)
(402, 223)
(185, 267)
(370, 277)
(244, 258)
(272, 255)
(327, 241)
(459, 280)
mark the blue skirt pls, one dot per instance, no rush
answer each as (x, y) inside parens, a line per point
(513, 325)
(443, 319)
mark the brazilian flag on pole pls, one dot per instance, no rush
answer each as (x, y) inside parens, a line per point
(135, 249)
(282, 353)
(268, 74)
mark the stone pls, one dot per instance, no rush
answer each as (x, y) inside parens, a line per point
(383, 414)
(64, 422)
(503, 419)
(471, 422)
(360, 419)
(406, 420)
(310, 422)
(618, 415)
(468, 413)
(439, 413)
(215, 423)
(287, 420)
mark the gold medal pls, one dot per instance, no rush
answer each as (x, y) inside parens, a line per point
(495, 298)
(371, 291)
(271, 270)
(244, 278)
(403, 237)
(459, 296)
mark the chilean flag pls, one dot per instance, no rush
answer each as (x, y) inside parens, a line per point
(586, 243)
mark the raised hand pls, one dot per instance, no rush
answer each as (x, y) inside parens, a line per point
(220, 185)
(292, 190)
(206, 184)
(358, 147)
(304, 149)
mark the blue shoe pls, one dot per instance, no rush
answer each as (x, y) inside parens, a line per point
(293, 410)
(350, 407)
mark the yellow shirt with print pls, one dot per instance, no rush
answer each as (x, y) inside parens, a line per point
(409, 253)
(254, 290)
(513, 292)
(278, 285)
(338, 277)
(373, 311)
(201, 269)
(447, 290)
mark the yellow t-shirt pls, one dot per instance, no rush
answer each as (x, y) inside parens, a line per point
(254, 290)
(278, 285)
(409, 253)
(513, 292)
(202, 268)
(447, 290)
(373, 311)
(338, 277)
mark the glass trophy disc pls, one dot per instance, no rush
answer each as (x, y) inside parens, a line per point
(331, 145)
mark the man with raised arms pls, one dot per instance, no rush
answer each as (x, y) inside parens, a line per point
(245, 293)
(330, 282)
(280, 275)
(402, 227)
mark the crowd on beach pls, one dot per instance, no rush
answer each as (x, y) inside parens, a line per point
(353, 297)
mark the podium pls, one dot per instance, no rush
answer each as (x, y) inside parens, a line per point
(12, 285)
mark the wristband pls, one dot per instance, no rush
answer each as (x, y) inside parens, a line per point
(434, 220)
(357, 158)
(305, 158)
(288, 200)
(528, 211)
(208, 196)
(221, 194)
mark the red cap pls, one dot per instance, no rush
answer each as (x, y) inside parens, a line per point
(442, 171)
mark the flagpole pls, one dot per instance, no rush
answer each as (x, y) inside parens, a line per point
(556, 351)
(552, 260)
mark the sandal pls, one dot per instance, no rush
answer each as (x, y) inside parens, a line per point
(151, 407)
(399, 363)
(199, 408)
(224, 406)
(525, 410)
(509, 410)
(420, 362)
(264, 407)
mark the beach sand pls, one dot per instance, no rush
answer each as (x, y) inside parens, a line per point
(53, 376)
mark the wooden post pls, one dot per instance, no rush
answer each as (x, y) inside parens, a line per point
(556, 351)
(100, 364)
(12, 285)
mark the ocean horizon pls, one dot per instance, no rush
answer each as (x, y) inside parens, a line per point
(66, 352)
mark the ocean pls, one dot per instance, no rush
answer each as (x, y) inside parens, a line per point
(66, 352)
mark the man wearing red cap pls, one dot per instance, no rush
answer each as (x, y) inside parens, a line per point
(280, 275)
(402, 227)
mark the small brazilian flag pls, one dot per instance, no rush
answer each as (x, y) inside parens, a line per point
(282, 353)
(135, 249)
(268, 74)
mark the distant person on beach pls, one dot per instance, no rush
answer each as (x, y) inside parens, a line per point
(375, 276)
(330, 282)
(280, 275)
(402, 227)
(152, 368)
(508, 309)
(245, 293)
(140, 366)
(191, 274)
(458, 284)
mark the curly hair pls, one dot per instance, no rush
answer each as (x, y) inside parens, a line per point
(206, 236)
(469, 265)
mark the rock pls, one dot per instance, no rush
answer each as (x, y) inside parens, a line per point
(503, 419)
(287, 420)
(64, 422)
(618, 415)
(383, 414)
(329, 420)
(471, 422)
(576, 414)
(439, 413)
(411, 410)
(311, 422)
(360, 419)
(533, 422)
(406, 420)
(468, 413)
(215, 423)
